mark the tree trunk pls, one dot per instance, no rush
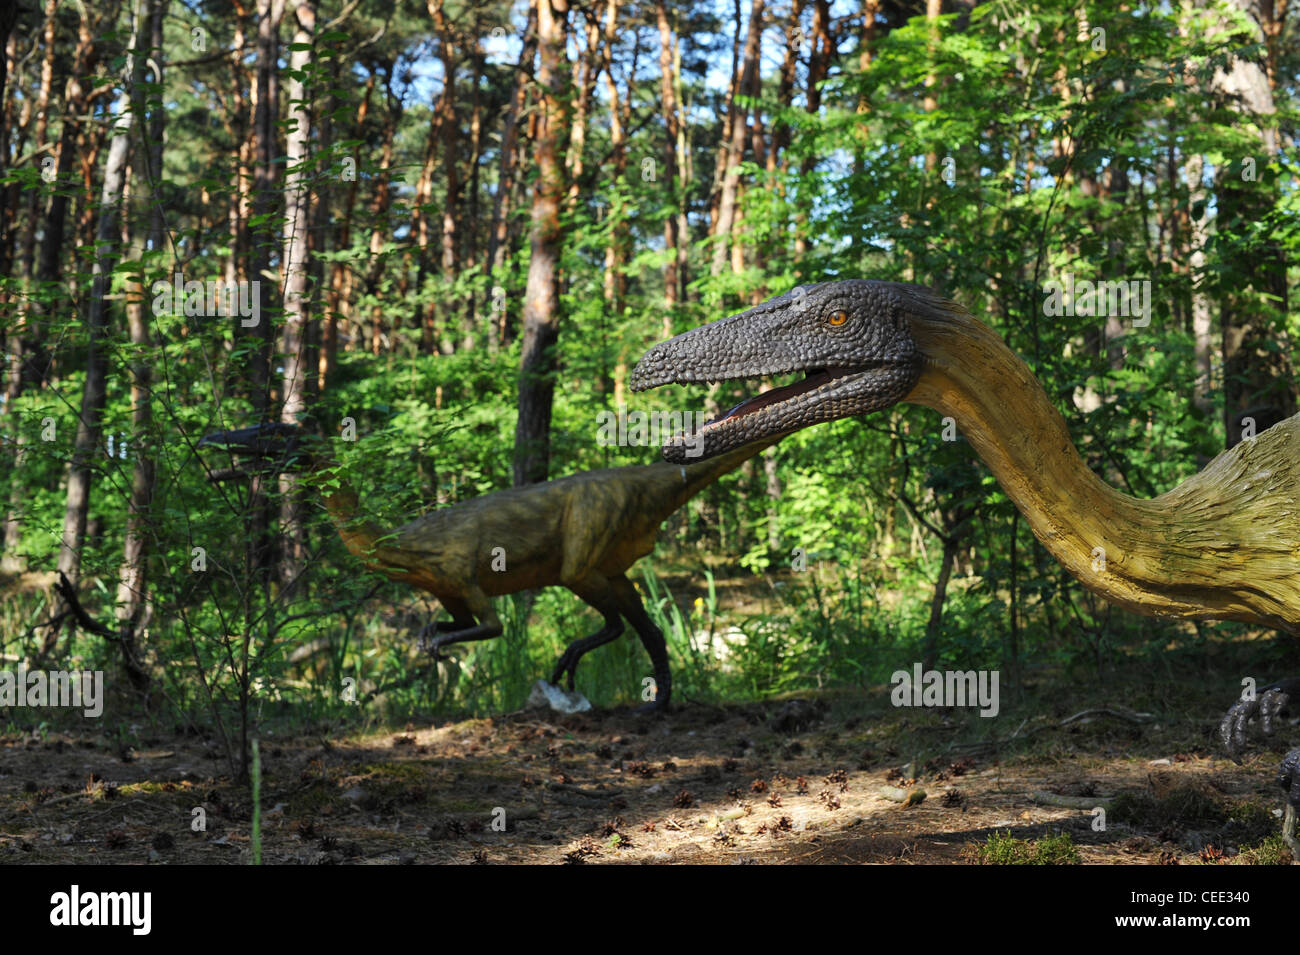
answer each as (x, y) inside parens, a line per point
(240, 199)
(450, 133)
(668, 106)
(819, 61)
(379, 232)
(615, 281)
(930, 654)
(542, 296)
(339, 303)
(502, 202)
(297, 216)
(1258, 377)
(473, 301)
(260, 551)
(735, 148)
(132, 590)
(31, 365)
(95, 393)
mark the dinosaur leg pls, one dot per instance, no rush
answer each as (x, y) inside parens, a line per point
(600, 598)
(1267, 706)
(652, 638)
(1290, 765)
(461, 619)
(480, 608)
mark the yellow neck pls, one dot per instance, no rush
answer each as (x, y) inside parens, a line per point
(1225, 544)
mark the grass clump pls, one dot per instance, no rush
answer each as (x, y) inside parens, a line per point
(1003, 848)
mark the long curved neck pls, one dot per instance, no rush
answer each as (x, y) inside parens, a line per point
(1225, 544)
(699, 475)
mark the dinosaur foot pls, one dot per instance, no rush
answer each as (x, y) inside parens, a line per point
(429, 642)
(663, 694)
(565, 669)
(1233, 727)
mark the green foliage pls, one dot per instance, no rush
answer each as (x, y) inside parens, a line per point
(1004, 849)
(1271, 851)
(987, 191)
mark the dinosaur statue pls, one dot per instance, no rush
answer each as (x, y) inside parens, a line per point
(582, 532)
(1223, 545)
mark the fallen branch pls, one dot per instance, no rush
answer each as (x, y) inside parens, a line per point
(1103, 711)
(908, 797)
(579, 791)
(1074, 802)
(88, 623)
(995, 743)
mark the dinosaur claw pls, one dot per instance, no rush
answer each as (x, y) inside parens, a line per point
(1234, 727)
(427, 640)
(566, 667)
(433, 647)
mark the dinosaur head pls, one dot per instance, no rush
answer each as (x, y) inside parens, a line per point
(271, 447)
(851, 340)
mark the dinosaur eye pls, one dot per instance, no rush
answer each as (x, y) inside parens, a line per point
(839, 318)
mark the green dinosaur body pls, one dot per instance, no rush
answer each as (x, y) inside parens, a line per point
(582, 532)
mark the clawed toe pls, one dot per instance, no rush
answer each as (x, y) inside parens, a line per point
(1232, 729)
(1234, 726)
(565, 668)
(433, 647)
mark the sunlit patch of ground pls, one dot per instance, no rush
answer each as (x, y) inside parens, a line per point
(788, 781)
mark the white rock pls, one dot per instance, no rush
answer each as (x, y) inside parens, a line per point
(557, 698)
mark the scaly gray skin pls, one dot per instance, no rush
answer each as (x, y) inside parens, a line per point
(854, 341)
(1267, 706)
(852, 338)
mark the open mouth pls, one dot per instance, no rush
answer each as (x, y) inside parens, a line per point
(815, 378)
(825, 393)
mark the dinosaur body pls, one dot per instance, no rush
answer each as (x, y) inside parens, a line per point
(1224, 544)
(582, 532)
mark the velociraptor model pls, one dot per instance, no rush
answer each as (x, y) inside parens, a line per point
(1223, 545)
(581, 532)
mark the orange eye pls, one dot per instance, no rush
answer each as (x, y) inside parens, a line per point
(839, 318)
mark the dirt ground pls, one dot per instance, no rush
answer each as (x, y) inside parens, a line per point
(795, 781)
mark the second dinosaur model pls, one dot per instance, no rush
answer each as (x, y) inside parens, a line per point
(582, 532)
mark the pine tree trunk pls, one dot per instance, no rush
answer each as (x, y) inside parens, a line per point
(735, 148)
(297, 216)
(542, 295)
(95, 392)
